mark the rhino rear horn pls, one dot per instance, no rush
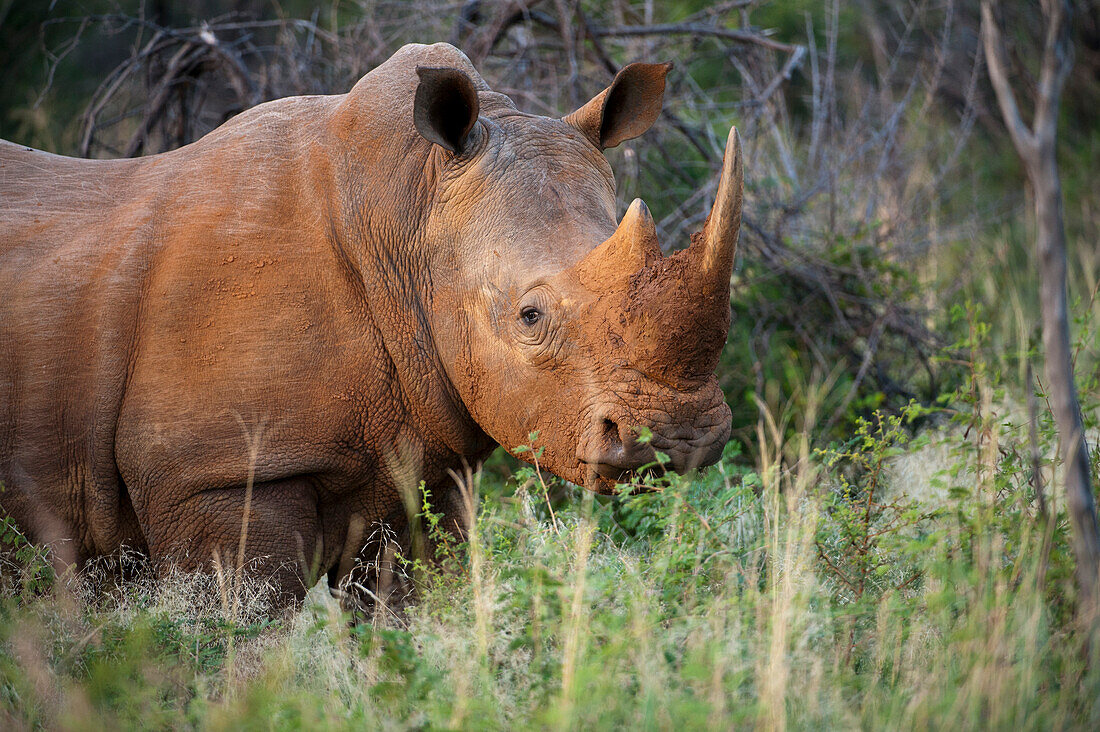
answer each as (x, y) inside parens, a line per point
(625, 109)
(716, 245)
(446, 106)
(633, 246)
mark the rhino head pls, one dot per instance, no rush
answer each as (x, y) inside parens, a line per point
(551, 318)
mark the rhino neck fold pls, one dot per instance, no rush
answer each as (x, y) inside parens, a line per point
(384, 182)
(378, 241)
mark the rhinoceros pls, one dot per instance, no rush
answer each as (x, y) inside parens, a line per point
(244, 347)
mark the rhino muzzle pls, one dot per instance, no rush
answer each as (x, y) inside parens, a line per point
(618, 442)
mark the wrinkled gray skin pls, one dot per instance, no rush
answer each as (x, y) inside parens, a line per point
(333, 298)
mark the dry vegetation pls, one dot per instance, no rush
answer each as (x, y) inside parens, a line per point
(884, 543)
(792, 594)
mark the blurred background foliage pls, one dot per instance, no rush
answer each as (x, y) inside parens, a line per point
(881, 188)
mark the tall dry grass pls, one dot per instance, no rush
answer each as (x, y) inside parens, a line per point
(705, 604)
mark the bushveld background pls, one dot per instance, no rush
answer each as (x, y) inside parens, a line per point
(884, 543)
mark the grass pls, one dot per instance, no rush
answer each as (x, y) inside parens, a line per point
(823, 587)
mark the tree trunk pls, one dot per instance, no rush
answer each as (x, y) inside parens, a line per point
(1051, 245)
(1037, 149)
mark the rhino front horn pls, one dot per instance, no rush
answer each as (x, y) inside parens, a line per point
(717, 243)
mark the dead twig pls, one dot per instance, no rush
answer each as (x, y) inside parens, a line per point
(692, 29)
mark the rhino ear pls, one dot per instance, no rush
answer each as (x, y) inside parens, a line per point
(625, 109)
(446, 106)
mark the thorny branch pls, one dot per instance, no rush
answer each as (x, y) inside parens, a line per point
(181, 82)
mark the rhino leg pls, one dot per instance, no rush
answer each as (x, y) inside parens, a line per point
(379, 578)
(454, 518)
(282, 535)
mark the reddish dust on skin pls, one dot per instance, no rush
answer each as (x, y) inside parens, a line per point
(285, 325)
(666, 337)
(664, 314)
(679, 329)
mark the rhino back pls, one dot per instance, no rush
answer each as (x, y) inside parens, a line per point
(71, 258)
(255, 289)
(190, 280)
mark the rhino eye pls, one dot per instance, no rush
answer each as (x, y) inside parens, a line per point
(530, 315)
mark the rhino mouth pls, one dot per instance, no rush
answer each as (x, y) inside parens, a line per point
(609, 479)
(611, 453)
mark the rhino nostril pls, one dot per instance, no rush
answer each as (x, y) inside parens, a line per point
(609, 447)
(618, 446)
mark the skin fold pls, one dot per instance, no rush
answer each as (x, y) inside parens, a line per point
(329, 299)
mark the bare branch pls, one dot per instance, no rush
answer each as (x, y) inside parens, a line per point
(794, 60)
(694, 29)
(483, 42)
(997, 64)
(1057, 62)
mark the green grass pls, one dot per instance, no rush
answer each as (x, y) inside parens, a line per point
(822, 587)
